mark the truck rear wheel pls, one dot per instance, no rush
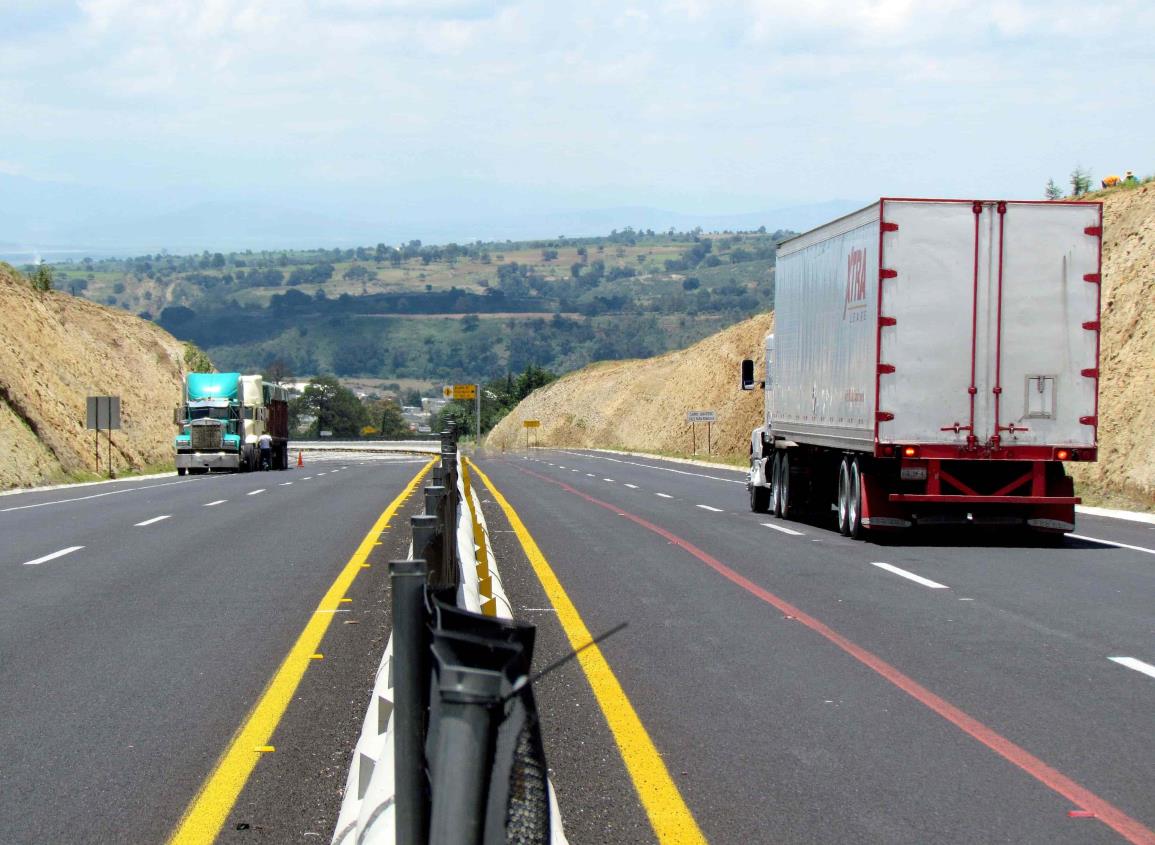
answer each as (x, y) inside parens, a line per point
(854, 527)
(786, 508)
(775, 501)
(844, 498)
(181, 470)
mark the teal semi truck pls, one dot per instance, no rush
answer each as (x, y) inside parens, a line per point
(222, 419)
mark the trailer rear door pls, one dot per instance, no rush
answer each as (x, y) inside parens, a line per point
(988, 324)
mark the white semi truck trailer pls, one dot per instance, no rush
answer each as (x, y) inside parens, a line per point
(932, 362)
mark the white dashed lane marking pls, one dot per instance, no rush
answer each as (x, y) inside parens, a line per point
(664, 495)
(1137, 665)
(784, 529)
(708, 508)
(154, 520)
(214, 504)
(918, 579)
(53, 556)
(632, 486)
(255, 492)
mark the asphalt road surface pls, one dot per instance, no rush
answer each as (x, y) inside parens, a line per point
(802, 687)
(798, 686)
(142, 620)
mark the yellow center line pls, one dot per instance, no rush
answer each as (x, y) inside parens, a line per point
(214, 801)
(671, 819)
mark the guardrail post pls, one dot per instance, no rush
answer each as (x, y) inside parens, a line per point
(411, 678)
(427, 541)
(470, 682)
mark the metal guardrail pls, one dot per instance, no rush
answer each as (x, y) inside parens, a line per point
(451, 751)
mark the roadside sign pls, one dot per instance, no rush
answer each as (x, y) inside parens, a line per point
(325, 433)
(459, 391)
(103, 412)
(701, 416)
(532, 423)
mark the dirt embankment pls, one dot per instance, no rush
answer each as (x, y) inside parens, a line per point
(55, 351)
(1125, 472)
(641, 405)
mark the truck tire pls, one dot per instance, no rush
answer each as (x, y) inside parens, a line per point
(773, 478)
(181, 470)
(854, 527)
(785, 506)
(759, 498)
(844, 498)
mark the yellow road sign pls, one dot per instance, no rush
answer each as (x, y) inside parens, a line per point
(459, 391)
(532, 423)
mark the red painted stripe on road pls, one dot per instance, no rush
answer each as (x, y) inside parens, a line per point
(1130, 829)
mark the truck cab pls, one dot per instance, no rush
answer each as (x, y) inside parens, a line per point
(222, 419)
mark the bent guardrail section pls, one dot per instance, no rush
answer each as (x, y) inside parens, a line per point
(450, 750)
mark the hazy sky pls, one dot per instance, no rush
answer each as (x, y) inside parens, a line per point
(387, 105)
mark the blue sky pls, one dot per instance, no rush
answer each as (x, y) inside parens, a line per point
(419, 109)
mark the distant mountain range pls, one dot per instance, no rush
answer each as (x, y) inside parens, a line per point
(56, 221)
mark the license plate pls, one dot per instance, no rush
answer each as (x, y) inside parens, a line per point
(913, 473)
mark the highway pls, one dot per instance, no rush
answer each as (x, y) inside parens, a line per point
(801, 687)
(789, 685)
(142, 620)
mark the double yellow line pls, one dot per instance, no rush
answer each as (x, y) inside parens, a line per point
(671, 819)
(206, 814)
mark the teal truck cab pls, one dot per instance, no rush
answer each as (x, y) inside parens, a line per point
(222, 419)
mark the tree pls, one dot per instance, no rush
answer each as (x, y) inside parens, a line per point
(278, 371)
(1080, 181)
(40, 277)
(335, 407)
(392, 424)
(1053, 191)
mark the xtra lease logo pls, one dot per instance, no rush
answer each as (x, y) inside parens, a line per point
(854, 307)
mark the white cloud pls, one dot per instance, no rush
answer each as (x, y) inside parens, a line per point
(710, 97)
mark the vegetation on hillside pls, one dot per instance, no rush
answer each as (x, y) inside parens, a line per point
(455, 312)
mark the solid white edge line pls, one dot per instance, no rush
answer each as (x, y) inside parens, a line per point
(665, 469)
(1111, 543)
(1137, 665)
(53, 556)
(154, 519)
(784, 529)
(214, 504)
(255, 492)
(93, 496)
(664, 495)
(1111, 513)
(918, 579)
(708, 508)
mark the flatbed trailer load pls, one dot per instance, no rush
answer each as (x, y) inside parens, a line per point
(933, 361)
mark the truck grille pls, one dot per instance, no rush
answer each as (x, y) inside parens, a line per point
(206, 437)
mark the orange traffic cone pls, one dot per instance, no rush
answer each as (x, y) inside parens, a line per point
(300, 458)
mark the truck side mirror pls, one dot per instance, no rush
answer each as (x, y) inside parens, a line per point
(748, 374)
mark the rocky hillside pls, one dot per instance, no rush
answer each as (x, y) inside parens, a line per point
(56, 351)
(1126, 469)
(641, 405)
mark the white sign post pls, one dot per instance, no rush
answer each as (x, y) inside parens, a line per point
(695, 417)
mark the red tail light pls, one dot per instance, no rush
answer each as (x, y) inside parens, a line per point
(1062, 454)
